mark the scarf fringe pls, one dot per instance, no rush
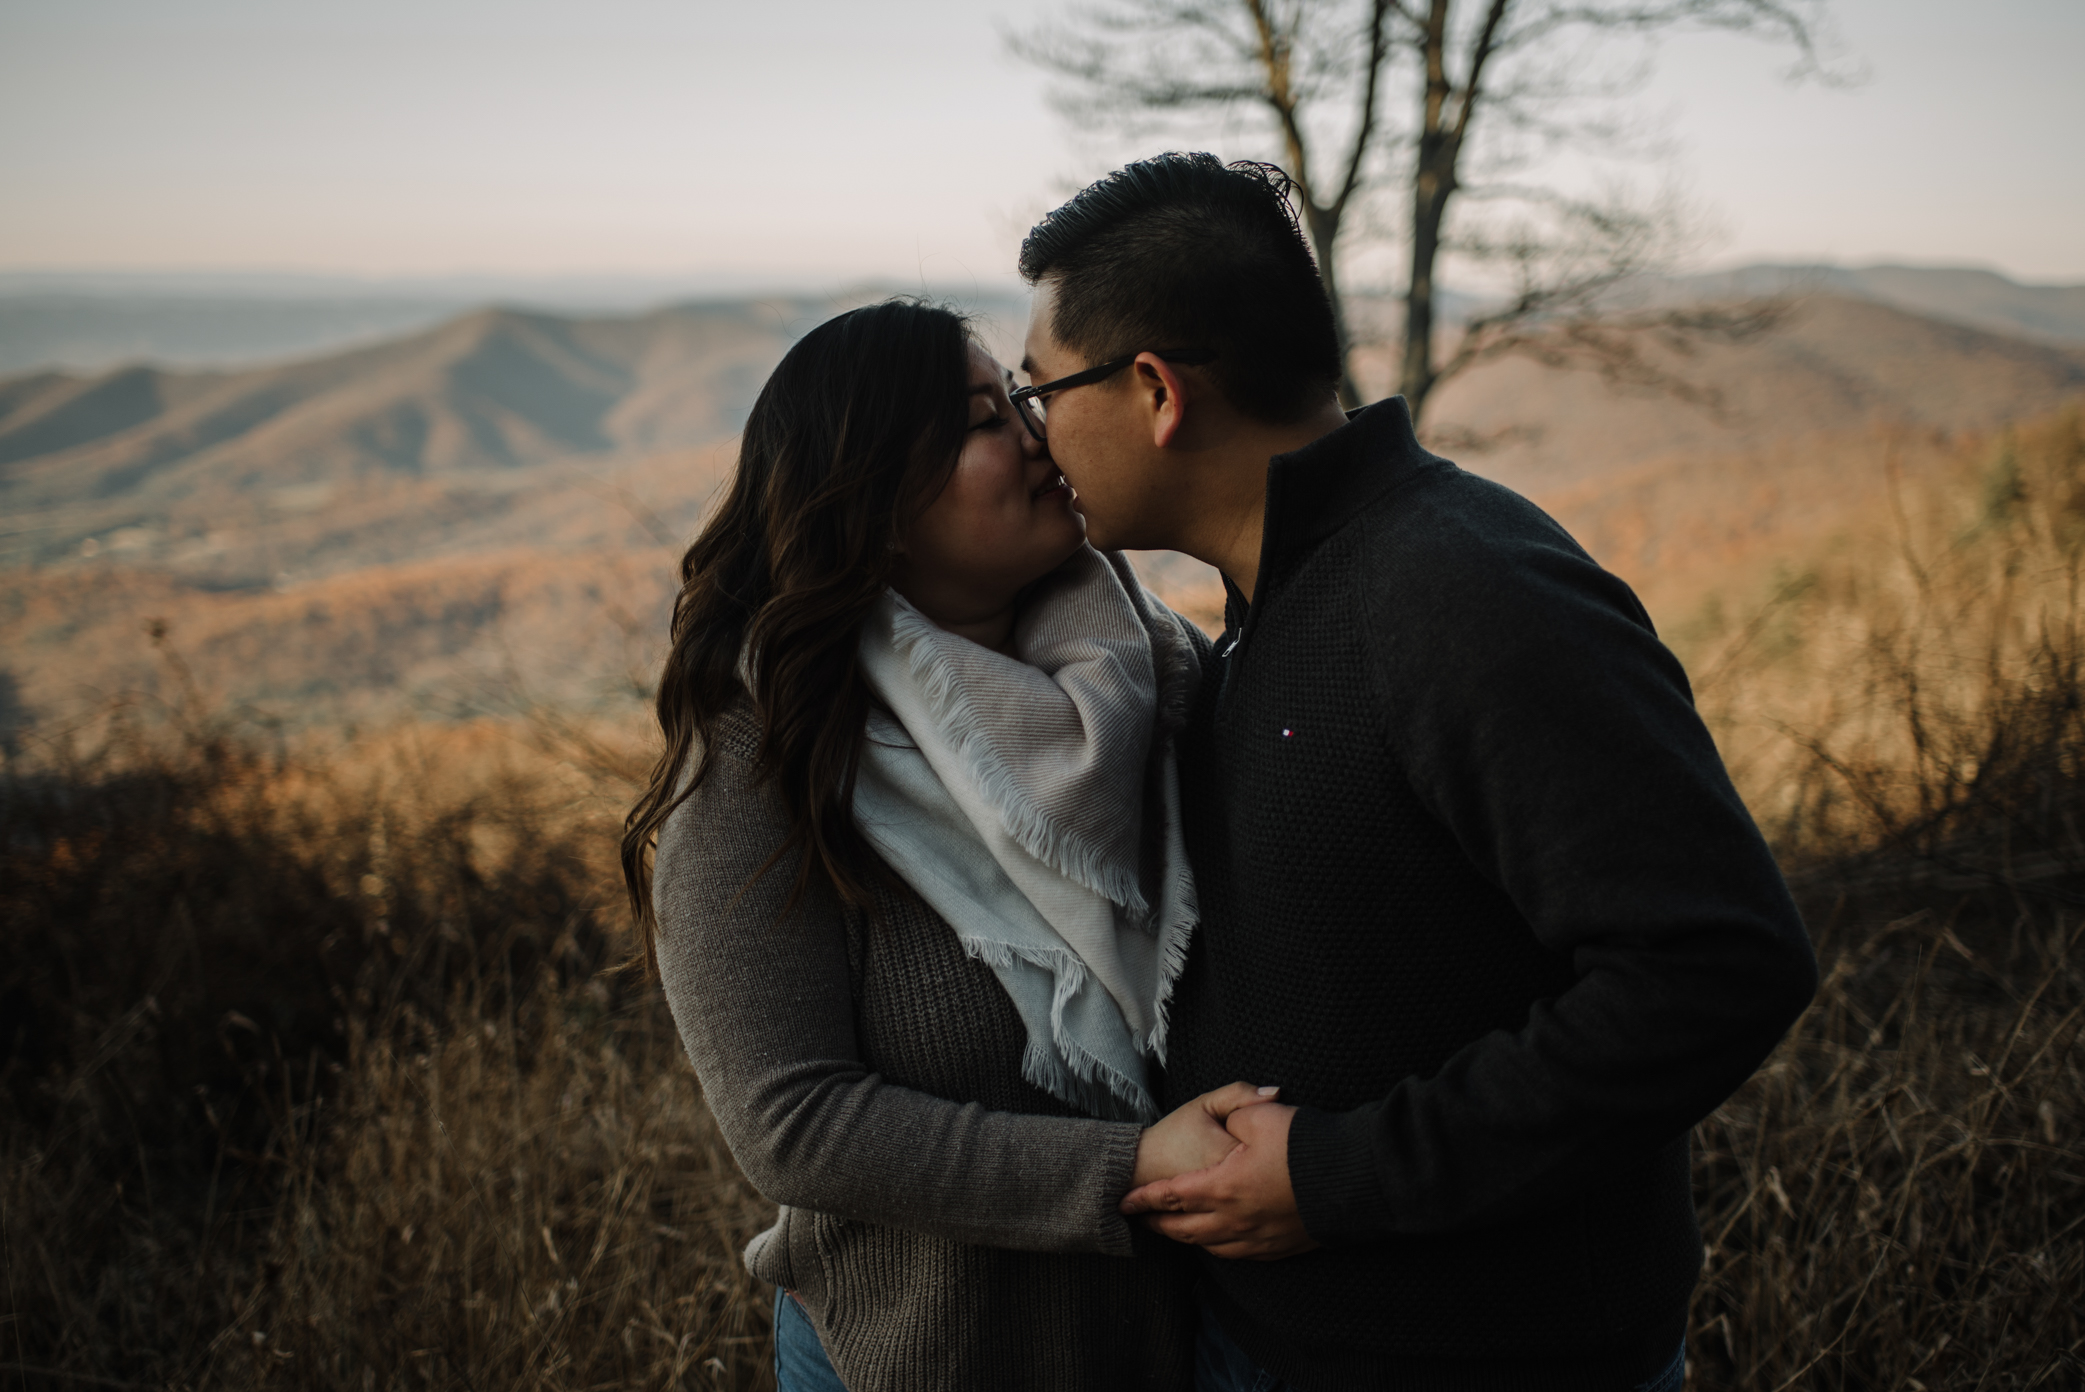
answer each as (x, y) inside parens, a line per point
(1172, 960)
(912, 633)
(1068, 1070)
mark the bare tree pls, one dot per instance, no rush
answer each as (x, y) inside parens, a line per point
(1375, 101)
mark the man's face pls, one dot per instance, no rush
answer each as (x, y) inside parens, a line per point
(1100, 436)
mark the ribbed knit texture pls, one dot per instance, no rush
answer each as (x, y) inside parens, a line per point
(947, 1224)
(1478, 896)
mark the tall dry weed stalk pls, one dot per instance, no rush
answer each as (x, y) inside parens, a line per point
(1915, 692)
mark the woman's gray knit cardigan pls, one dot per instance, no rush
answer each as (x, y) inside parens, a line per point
(946, 1223)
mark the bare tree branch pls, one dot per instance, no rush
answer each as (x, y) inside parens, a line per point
(1623, 349)
(1473, 85)
(1365, 128)
(1324, 73)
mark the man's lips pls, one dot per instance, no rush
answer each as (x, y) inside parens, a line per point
(1050, 485)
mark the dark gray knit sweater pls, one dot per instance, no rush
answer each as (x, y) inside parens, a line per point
(947, 1224)
(1478, 895)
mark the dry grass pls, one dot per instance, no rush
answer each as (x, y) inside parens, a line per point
(501, 1207)
(1915, 685)
(313, 1078)
(312, 1073)
(1898, 1199)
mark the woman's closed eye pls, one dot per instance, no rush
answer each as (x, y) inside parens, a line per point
(991, 422)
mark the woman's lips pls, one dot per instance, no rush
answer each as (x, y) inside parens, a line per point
(1055, 482)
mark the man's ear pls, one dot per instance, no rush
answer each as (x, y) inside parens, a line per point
(1166, 403)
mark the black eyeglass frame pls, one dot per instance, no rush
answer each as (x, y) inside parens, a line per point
(1021, 396)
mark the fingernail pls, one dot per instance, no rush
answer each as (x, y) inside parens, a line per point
(1269, 1092)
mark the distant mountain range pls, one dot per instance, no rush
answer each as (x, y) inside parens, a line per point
(90, 323)
(491, 389)
(488, 510)
(83, 332)
(1955, 294)
(1833, 364)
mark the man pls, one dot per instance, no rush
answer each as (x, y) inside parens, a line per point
(1477, 894)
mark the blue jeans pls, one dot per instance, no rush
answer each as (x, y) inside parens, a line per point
(1221, 1366)
(800, 1361)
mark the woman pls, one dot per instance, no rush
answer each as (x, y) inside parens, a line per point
(919, 893)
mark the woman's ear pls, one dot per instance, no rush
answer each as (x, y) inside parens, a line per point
(1167, 404)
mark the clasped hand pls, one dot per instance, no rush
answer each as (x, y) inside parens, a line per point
(1215, 1174)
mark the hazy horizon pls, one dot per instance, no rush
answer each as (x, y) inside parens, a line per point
(208, 321)
(632, 292)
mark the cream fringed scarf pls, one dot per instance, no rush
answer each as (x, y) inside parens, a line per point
(1034, 804)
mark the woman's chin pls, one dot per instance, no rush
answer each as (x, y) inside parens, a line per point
(1060, 554)
(1078, 532)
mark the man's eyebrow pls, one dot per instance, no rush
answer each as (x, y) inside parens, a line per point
(1027, 365)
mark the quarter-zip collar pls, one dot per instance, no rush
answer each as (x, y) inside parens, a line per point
(1314, 491)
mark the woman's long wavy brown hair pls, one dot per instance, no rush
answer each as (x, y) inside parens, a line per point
(855, 432)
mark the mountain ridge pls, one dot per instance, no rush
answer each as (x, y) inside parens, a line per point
(1970, 295)
(493, 388)
(492, 509)
(1834, 365)
(85, 322)
(501, 388)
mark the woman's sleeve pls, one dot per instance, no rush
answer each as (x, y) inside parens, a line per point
(764, 1005)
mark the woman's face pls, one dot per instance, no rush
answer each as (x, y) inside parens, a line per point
(1004, 519)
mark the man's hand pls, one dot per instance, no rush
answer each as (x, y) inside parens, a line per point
(1242, 1206)
(1192, 1135)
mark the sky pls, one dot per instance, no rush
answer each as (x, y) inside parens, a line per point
(815, 142)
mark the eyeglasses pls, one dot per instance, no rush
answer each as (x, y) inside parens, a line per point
(1034, 413)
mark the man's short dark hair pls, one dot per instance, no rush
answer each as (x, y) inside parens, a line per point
(1184, 251)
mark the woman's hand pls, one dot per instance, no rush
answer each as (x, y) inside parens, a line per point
(1192, 1137)
(1245, 1206)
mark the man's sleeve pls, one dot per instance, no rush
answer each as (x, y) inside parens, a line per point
(1545, 725)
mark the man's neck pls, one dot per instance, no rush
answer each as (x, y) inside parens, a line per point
(1228, 523)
